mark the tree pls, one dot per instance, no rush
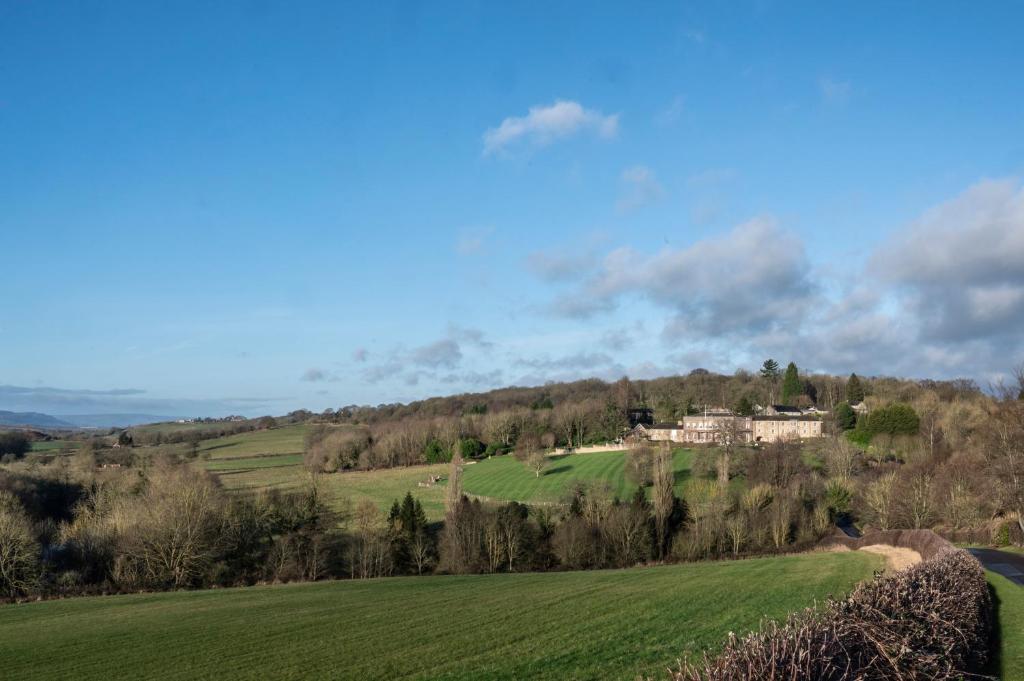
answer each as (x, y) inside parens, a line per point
(1004, 455)
(19, 550)
(770, 373)
(454, 494)
(536, 462)
(663, 498)
(14, 444)
(879, 502)
(529, 452)
(854, 390)
(811, 391)
(639, 462)
(894, 419)
(743, 406)
(846, 417)
(791, 386)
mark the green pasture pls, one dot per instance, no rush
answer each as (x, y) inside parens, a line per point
(611, 624)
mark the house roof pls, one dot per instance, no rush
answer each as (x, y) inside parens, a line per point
(798, 417)
(785, 409)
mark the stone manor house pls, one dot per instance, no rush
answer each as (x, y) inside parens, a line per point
(776, 423)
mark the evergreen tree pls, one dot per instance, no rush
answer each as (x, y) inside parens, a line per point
(743, 407)
(854, 390)
(791, 385)
(811, 392)
(846, 418)
(770, 372)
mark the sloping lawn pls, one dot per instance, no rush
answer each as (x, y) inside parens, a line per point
(506, 478)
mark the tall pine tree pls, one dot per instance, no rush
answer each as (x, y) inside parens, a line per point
(791, 385)
(854, 390)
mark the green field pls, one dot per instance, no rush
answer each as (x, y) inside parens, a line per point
(382, 487)
(285, 440)
(611, 624)
(1009, 599)
(55, 446)
(506, 478)
(251, 463)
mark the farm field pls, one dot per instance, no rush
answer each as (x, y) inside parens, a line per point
(507, 479)
(284, 440)
(382, 487)
(55, 446)
(611, 624)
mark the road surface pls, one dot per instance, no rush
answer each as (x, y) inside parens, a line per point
(1009, 565)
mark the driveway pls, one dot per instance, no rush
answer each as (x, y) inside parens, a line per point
(1009, 565)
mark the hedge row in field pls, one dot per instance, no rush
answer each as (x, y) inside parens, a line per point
(931, 621)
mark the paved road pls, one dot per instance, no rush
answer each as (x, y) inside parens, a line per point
(1009, 565)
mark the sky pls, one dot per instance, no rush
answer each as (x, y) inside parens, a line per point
(213, 208)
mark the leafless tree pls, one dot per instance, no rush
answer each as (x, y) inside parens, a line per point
(19, 550)
(663, 495)
(453, 495)
(878, 498)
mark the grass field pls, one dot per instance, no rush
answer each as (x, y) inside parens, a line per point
(611, 624)
(285, 440)
(55, 446)
(1010, 601)
(508, 479)
(271, 459)
(381, 487)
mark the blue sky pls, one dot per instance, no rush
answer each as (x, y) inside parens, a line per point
(254, 207)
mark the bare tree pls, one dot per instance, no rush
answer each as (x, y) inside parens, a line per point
(663, 496)
(528, 451)
(878, 497)
(454, 493)
(1004, 454)
(19, 550)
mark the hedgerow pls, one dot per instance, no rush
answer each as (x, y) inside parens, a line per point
(931, 621)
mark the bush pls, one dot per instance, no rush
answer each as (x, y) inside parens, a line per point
(471, 448)
(931, 621)
(895, 419)
(14, 445)
(436, 453)
(846, 417)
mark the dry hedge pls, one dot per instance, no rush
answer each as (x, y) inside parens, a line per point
(931, 621)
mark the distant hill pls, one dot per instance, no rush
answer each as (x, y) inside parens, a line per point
(37, 420)
(31, 418)
(113, 420)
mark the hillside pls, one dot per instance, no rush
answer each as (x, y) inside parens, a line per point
(595, 625)
(33, 419)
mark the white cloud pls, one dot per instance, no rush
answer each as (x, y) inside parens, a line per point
(641, 187)
(753, 277)
(546, 124)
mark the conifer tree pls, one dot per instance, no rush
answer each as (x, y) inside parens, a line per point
(854, 390)
(791, 386)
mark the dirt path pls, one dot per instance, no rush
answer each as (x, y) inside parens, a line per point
(1009, 565)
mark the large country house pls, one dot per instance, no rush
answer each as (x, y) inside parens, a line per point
(714, 425)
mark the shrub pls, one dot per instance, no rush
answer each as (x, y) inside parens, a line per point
(14, 444)
(895, 419)
(471, 448)
(435, 452)
(931, 621)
